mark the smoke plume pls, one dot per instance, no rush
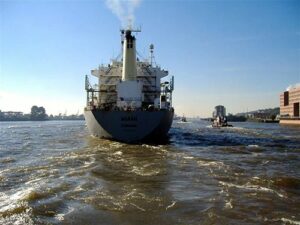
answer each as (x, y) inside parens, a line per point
(124, 10)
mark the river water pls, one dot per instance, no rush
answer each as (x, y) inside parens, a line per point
(54, 173)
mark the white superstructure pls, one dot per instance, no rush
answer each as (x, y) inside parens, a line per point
(129, 83)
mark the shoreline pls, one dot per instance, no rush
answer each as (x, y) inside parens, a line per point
(40, 120)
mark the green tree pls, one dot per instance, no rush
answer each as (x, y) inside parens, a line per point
(38, 113)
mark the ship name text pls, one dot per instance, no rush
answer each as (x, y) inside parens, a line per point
(129, 118)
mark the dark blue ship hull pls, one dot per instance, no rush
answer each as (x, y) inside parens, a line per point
(129, 126)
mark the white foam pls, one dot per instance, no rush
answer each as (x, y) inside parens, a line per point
(118, 153)
(151, 146)
(228, 205)
(217, 164)
(237, 128)
(138, 207)
(88, 163)
(285, 220)
(252, 187)
(171, 205)
(115, 145)
(188, 157)
(61, 216)
(253, 146)
(142, 171)
(9, 202)
(34, 180)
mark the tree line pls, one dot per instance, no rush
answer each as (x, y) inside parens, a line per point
(37, 113)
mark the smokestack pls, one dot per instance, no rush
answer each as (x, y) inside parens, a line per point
(129, 57)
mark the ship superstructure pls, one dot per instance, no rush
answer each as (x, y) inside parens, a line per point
(130, 103)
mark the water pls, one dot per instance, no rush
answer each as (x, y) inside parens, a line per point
(55, 173)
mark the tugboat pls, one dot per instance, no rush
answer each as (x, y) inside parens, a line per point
(219, 117)
(183, 119)
(130, 103)
(220, 122)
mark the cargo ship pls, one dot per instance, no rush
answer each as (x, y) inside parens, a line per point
(130, 103)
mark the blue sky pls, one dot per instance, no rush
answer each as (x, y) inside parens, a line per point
(241, 54)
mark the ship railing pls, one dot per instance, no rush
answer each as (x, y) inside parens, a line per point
(91, 98)
(111, 106)
(146, 68)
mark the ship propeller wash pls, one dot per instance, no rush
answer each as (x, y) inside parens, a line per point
(130, 103)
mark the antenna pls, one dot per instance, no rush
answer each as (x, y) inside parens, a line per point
(136, 30)
(152, 58)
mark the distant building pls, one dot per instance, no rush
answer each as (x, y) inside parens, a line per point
(12, 114)
(219, 111)
(261, 115)
(290, 106)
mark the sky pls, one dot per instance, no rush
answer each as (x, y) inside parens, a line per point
(241, 54)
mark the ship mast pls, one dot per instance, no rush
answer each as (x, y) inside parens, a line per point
(152, 59)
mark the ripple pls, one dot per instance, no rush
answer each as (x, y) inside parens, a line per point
(7, 160)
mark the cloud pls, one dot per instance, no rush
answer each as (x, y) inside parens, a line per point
(297, 85)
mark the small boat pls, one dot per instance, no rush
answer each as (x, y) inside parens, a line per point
(183, 119)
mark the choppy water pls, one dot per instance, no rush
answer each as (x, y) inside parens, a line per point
(55, 173)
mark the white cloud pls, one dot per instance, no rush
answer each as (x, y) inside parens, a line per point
(297, 85)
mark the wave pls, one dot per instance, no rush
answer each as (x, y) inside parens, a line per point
(14, 209)
(252, 188)
(285, 220)
(145, 171)
(61, 216)
(217, 164)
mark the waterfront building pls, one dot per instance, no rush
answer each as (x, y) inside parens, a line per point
(290, 105)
